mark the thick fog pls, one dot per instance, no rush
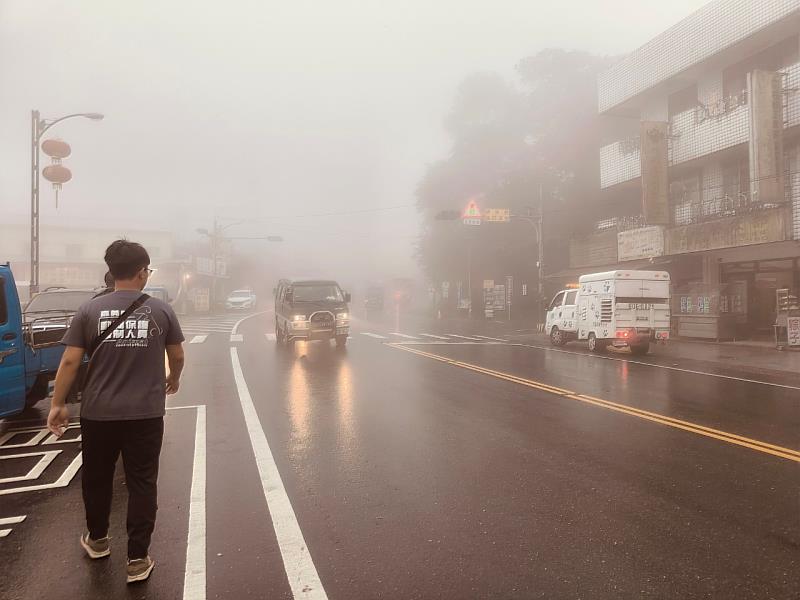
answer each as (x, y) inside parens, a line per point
(309, 120)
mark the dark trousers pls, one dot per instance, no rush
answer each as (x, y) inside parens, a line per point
(139, 442)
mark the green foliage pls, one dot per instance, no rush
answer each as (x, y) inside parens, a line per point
(507, 142)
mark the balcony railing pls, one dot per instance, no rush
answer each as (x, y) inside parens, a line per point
(689, 212)
(699, 131)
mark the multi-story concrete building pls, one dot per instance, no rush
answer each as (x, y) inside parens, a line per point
(702, 173)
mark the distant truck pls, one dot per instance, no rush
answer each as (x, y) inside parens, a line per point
(29, 353)
(615, 308)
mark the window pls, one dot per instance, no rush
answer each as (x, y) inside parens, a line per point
(570, 298)
(683, 100)
(317, 293)
(3, 305)
(778, 56)
(557, 300)
(736, 180)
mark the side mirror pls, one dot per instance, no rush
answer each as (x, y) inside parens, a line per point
(288, 297)
(347, 297)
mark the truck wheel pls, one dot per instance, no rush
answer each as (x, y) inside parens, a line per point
(640, 349)
(594, 345)
(557, 337)
(341, 341)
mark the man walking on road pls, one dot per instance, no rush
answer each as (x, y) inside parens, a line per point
(125, 333)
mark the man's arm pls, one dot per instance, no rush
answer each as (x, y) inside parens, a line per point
(175, 362)
(65, 377)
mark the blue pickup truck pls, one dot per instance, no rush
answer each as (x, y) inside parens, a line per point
(30, 350)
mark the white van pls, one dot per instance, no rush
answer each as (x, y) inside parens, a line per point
(615, 308)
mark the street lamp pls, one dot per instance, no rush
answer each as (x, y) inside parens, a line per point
(38, 128)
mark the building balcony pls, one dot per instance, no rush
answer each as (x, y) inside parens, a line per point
(698, 132)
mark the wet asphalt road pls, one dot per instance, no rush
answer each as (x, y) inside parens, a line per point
(439, 468)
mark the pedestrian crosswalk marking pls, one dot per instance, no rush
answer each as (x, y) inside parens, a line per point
(198, 339)
(237, 337)
(483, 337)
(374, 335)
(436, 337)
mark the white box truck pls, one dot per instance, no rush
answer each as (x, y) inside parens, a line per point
(615, 308)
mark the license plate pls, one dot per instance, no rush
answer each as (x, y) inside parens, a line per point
(662, 335)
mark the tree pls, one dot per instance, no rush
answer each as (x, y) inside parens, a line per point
(508, 142)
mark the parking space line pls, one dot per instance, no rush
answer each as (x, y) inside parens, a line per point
(464, 337)
(484, 337)
(62, 481)
(403, 335)
(46, 458)
(194, 581)
(374, 335)
(198, 339)
(300, 570)
(12, 520)
(237, 337)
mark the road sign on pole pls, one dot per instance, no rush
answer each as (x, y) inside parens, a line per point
(472, 214)
(497, 215)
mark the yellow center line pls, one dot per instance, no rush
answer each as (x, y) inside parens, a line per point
(724, 436)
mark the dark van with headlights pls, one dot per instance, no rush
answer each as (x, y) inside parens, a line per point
(311, 310)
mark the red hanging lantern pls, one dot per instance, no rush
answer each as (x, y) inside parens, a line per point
(57, 149)
(57, 174)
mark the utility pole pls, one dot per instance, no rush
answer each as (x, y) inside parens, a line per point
(540, 258)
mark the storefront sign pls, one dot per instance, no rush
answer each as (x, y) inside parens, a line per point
(645, 242)
(793, 331)
(757, 228)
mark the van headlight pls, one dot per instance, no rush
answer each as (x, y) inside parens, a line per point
(342, 316)
(298, 318)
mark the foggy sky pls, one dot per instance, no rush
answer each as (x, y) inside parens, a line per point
(268, 110)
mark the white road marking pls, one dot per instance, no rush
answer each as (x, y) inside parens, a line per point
(10, 521)
(436, 337)
(464, 337)
(374, 335)
(270, 337)
(235, 329)
(403, 335)
(638, 362)
(62, 481)
(237, 337)
(40, 434)
(300, 570)
(198, 339)
(46, 458)
(194, 580)
(483, 337)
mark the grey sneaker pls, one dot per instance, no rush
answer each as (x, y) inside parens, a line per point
(95, 548)
(139, 569)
